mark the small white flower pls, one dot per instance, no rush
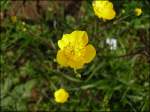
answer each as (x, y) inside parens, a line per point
(112, 43)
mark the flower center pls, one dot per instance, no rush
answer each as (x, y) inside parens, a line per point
(73, 51)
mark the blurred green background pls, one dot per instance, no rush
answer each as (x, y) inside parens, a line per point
(116, 80)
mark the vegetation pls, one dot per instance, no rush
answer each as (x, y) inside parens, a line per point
(116, 80)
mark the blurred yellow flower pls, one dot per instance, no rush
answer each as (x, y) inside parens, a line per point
(104, 9)
(13, 19)
(138, 11)
(61, 95)
(75, 50)
(123, 11)
(23, 23)
(24, 29)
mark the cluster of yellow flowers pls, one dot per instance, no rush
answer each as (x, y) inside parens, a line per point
(74, 49)
(104, 9)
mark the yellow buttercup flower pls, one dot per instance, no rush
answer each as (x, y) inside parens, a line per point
(104, 9)
(61, 95)
(75, 50)
(138, 11)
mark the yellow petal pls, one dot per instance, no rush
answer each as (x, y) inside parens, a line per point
(108, 14)
(80, 37)
(61, 58)
(76, 64)
(102, 4)
(64, 41)
(89, 53)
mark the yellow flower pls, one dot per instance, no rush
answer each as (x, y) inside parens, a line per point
(104, 9)
(123, 11)
(13, 19)
(24, 29)
(61, 95)
(138, 11)
(75, 50)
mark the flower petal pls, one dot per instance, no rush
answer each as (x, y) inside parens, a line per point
(80, 37)
(75, 64)
(108, 14)
(89, 53)
(64, 41)
(61, 58)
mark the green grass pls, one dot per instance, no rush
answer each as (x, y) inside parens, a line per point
(116, 80)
